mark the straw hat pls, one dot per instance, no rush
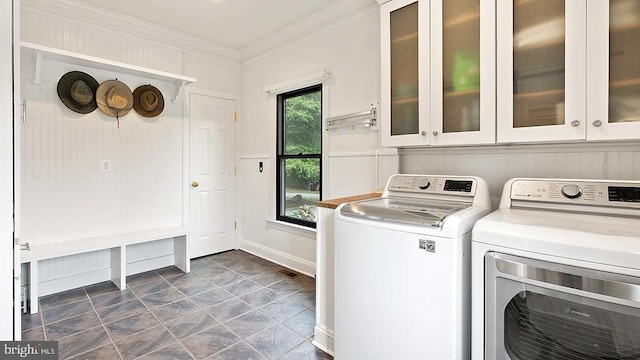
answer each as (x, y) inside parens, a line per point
(77, 91)
(114, 98)
(148, 101)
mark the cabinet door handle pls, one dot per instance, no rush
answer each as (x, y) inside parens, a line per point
(435, 133)
(597, 123)
(423, 133)
(575, 123)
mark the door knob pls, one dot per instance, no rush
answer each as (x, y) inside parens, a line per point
(195, 184)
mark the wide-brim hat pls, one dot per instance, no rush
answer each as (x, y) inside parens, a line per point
(77, 90)
(148, 101)
(114, 98)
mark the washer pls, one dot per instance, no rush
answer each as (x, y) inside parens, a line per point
(556, 272)
(402, 269)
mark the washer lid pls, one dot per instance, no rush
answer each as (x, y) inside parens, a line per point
(403, 211)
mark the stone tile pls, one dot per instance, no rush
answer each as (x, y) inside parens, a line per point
(283, 309)
(287, 287)
(269, 278)
(66, 311)
(229, 309)
(142, 278)
(238, 263)
(196, 287)
(243, 287)
(169, 272)
(252, 269)
(303, 323)
(33, 334)
(101, 289)
(105, 352)
(275, 341)
(212, 297)
(249, 323)
(239, 351)
(144, 342)
(210, 341)
(150, 287)
(72, 325)
(82, 342)
(307, 351)
(227, 256)
(175, 310)
(163, 297)
(200, 262)
(260, 297)
(188, 325)
(120, 311)
(62, 298)
(132, 325)
(113, 298)
(306, 298)
(174, 351)
(29, 321)
(226, 278)
(211, 269)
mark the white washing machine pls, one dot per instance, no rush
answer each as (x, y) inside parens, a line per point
(402, 269)
(556, 272)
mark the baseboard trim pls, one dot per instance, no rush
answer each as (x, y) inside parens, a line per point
(323, 339)
(280, 258)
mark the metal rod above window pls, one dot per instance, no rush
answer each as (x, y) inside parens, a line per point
(366, 118)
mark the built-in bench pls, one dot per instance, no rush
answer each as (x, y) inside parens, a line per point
(116, 244)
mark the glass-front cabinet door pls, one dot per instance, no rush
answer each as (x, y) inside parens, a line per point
(404, 103)
(541, 68)
(462, 72)
(613, 76)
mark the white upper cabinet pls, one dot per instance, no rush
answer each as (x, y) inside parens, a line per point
(438, 72)
(613, 77)
(404, 102)
(567, 70)
(541, 64)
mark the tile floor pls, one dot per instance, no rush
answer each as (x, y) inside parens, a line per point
(232, 305)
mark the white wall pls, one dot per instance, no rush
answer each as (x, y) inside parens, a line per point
(65, 194)
(496, 164)
(350, 50)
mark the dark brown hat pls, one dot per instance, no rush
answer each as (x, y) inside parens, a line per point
(148, 101)
(77, 90)
(114, 98)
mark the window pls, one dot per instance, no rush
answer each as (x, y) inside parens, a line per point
(299, 155)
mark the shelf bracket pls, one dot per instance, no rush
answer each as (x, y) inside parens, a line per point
(179, 90)
(37, 68)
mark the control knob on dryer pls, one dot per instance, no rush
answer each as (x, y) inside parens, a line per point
(424, 184)
(571, 191)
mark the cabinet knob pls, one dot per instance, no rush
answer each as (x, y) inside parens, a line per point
(434, 133)
(597, 123)
(195, 184)
(423, 133)
(575, 123)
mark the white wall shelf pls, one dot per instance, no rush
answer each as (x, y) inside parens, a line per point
(39, 53)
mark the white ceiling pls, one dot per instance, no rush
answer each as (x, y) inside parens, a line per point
(235, 24)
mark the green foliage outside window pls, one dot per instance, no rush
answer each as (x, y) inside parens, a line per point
(302, 137)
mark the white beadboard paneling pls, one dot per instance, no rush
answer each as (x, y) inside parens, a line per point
(497, 164)
(74, 35)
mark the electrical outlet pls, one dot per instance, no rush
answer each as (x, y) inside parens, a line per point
(105, 165)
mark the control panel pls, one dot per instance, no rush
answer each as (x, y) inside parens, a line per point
(602, 193)
(432, 185)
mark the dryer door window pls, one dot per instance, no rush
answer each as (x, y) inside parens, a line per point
(538, 326)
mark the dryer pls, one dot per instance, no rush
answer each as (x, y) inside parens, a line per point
(556, 272)
(402, 269)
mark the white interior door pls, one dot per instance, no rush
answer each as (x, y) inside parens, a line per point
(212, 163)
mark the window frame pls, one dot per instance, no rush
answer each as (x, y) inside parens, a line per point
(281, 157)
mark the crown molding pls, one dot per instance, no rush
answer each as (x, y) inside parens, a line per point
(305, 27)
(78, 12)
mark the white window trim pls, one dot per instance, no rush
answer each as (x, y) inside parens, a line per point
(317, 77)
(295, 229)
